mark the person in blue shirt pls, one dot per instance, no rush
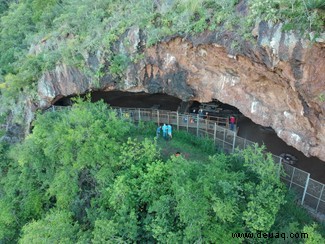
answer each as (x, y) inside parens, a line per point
(164, 130)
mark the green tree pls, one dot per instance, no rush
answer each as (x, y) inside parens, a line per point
(84, 175)
(8, 220)
(4, 4)
(313, 235)
(56, 227)
(15, 26)
(260, 214)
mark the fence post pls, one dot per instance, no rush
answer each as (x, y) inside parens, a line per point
(206, 127)
(234, 142)
(121, 113)
(197, 125)
(305, 190)
(133, 114)
(245, 144)
(320, 196)
(293, 172)
(224, 138)
(177, 120)
(139, 115)
(187, 123)
(214, 133)
(168, 117)
(158, 117)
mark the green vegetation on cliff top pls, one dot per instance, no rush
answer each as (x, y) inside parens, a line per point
(36, 35)
(85, 176)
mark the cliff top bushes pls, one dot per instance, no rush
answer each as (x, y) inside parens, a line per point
(67, 31)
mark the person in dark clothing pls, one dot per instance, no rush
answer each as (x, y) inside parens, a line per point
(158, 131)
(201, 113)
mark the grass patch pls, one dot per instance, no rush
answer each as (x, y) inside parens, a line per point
(190, 146)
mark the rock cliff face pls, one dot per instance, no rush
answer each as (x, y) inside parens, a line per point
(279, 81)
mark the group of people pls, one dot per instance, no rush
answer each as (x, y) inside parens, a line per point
(190, 118)
(202, 114)
(166, 131)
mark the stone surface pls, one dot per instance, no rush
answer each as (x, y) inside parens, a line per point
(63, 81)
(279, 81)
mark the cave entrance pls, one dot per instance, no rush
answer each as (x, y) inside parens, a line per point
(130, 100)
(137, 100)
(262, 135)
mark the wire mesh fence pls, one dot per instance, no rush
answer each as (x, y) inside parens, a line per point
(311, 193)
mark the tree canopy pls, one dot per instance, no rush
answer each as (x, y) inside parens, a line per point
(84, 175)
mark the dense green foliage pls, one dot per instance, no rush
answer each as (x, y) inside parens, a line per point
(299, 15)
(84, 176)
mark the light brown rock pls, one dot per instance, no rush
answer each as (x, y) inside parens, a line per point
(277, 82)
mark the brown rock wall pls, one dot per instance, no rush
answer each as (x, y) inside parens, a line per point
(276, 82)
(269, 96)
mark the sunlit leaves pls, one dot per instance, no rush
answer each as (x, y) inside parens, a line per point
(105, 231)
(260, 214)
(7, 220)
(56, 227)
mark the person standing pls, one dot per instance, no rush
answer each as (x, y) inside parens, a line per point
(232, 121)
(164, 130)
(169, 131)
(158, 131)
(201, 113)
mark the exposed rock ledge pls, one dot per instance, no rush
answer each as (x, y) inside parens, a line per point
(278, 82)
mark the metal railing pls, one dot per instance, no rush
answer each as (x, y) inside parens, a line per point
(310, 193)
